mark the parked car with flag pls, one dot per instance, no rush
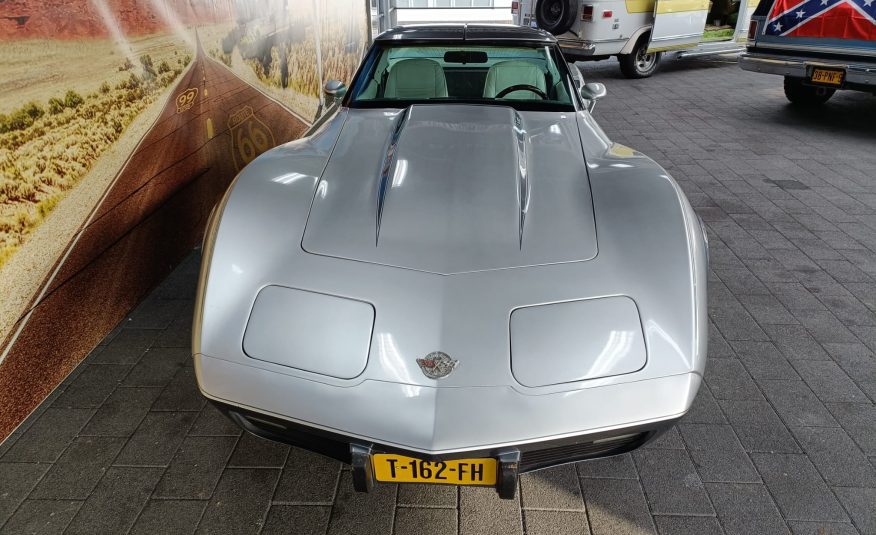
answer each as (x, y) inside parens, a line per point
(819, 46)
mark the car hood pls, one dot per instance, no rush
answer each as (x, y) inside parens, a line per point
(453, 189)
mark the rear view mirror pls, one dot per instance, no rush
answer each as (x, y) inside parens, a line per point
(465, 56)
(591, 92)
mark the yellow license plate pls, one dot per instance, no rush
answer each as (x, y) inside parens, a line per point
(827, 76)
(401, 469)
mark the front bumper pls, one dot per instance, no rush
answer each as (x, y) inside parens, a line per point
(529, 429)
(858, 76)
(513, 460)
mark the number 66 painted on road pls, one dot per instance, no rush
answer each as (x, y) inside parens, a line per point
(249, 136)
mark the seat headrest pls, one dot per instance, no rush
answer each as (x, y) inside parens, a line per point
(416, 79)
(504, 74)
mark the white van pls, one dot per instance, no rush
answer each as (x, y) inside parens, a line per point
(638, 32)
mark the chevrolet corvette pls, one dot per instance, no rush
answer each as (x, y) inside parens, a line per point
(457, 277)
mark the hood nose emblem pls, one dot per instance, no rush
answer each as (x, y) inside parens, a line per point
(437, 365)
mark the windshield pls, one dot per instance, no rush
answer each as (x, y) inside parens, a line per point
(524, 77)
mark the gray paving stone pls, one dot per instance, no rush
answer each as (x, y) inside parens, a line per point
(428, 496)
(180, 394)
(42, 517)
(849, 310)
(728, 379)
(717, 454)
(669, 440)
(825, 327)
(196, 468)
(211, 422)
(822, 528)
(671, 482)
(744, 509)
(866, 334)
(48, 436)
(364, 514)
(705, 409)
(177, 334)
(116, 502)
(552, 488)
(615, 467)
(169, 516)
(310, 478)
(16, 482)
(763, 360)
(424, 521)
(617, 507)
(122, 412)
(79, 469)
(797, 487)
(156, 439)
(861, 505)
(766, 309)
(240, 502)
(688, 525)
(795, 296)
(736, 324)
(859, 421)
(158, 366)
(758, 427)
(554, 523)
(253, 451)
(92, 386)
(859, 363)
(795, 342)
(153, 313)
(127, 347)
(303, 519)
(836, 456)
(797, 404)
(829, 381)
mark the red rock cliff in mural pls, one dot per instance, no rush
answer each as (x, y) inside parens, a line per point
(75, 19)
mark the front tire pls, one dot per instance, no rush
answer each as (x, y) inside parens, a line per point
(806, 95)
(639, 63)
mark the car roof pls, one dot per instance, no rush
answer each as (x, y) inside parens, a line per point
(494, 33)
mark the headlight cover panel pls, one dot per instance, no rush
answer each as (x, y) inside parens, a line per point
(309, 331)
(576, 340)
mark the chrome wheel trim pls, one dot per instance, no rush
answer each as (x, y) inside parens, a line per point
(645, 61)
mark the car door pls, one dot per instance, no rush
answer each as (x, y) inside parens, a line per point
(678, 24)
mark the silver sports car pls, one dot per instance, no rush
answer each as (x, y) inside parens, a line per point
(457, 277)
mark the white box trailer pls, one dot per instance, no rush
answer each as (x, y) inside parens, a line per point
(637, 32)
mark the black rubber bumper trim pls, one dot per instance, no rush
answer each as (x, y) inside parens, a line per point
(513, 460)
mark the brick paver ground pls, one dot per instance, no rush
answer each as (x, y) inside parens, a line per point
(782, 437)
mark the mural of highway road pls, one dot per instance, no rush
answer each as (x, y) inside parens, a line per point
(148, 219)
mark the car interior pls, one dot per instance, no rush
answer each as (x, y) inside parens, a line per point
(441, 73)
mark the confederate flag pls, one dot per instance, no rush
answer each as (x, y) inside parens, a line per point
(836, 19)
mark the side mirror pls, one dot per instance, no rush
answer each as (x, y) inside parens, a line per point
(334, 90)
(591, 92)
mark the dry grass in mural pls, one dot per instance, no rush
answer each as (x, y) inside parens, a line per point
(47, 147)
(284, 62)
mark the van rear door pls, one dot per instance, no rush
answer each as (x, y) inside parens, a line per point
(678, 24)
(746, 9)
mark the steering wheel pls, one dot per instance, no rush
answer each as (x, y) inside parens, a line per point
(522, 87)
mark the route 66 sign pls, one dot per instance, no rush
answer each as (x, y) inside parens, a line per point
(249, 136)
(186, 99)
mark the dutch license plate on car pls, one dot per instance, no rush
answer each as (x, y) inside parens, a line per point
(401, 469)
(827, 76)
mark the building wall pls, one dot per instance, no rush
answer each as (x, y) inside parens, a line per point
(121, 124)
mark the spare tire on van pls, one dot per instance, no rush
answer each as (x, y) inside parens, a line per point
(556, 16)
